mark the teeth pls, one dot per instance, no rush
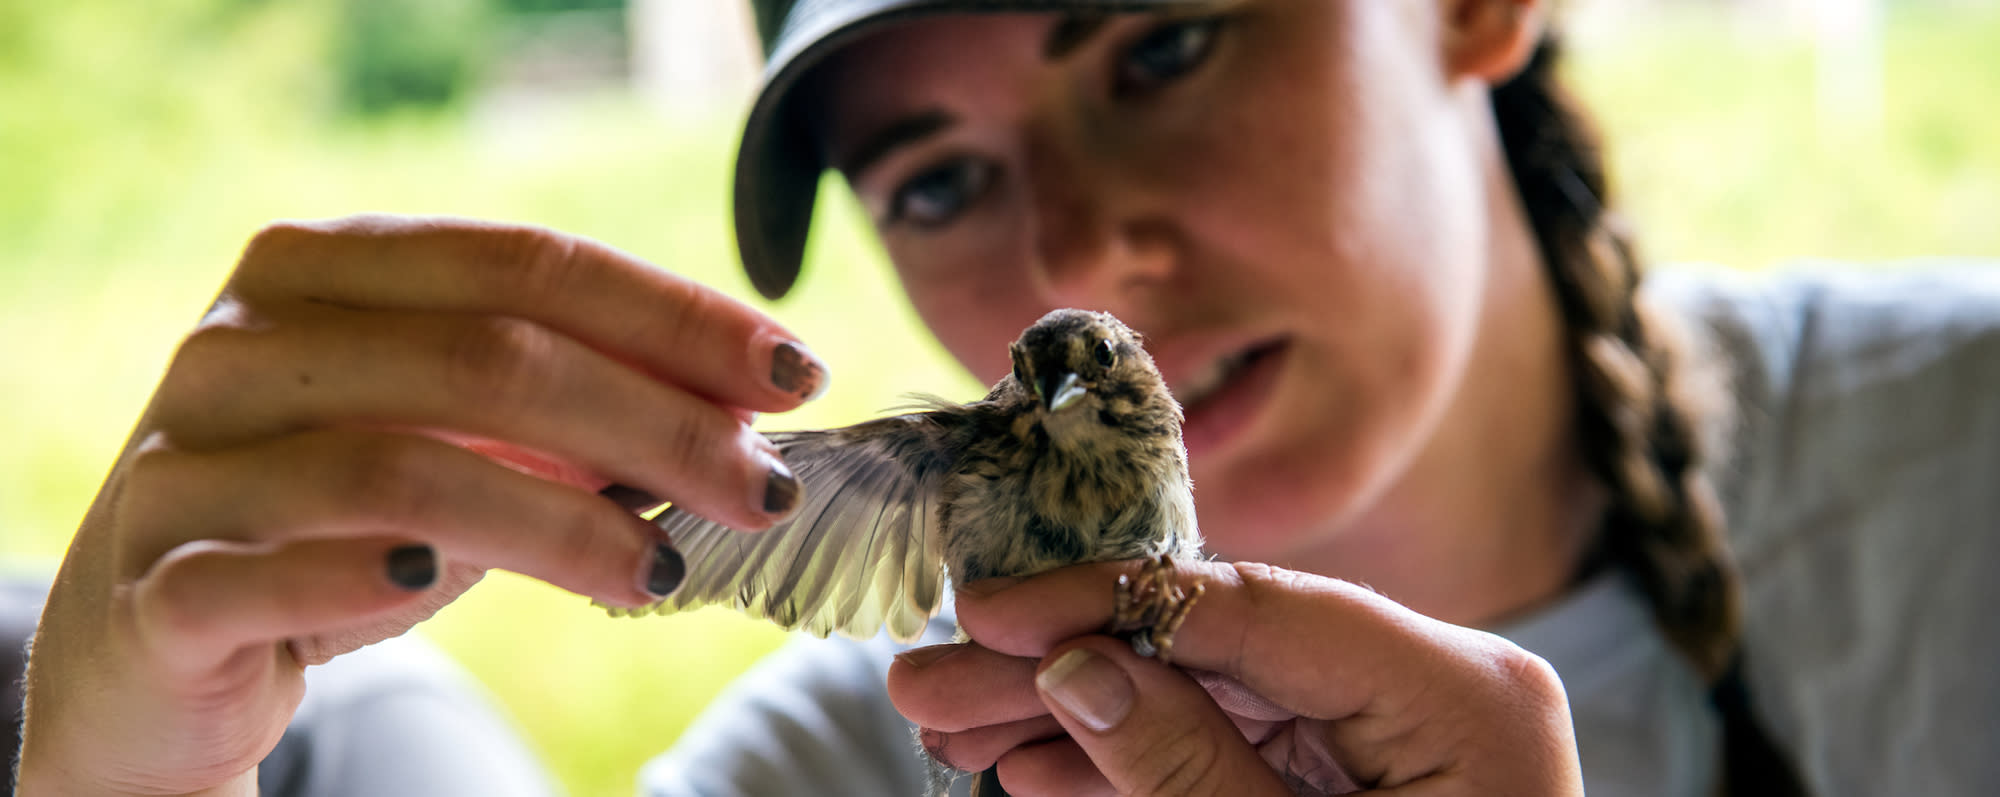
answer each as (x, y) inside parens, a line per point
(1202, 385)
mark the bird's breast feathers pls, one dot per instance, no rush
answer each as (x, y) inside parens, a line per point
(1029, 509)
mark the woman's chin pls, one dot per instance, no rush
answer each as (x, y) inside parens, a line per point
(1262, 525)
(1274, 507)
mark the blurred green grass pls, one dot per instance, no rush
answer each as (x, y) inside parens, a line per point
(125, 210)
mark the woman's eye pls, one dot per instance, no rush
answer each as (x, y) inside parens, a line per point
(1166, 53)
(935, 197)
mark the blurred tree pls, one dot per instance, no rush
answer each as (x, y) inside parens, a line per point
(106, 107)
(531, 6)
(392, 55)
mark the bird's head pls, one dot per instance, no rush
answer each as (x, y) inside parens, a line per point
(1084, 364)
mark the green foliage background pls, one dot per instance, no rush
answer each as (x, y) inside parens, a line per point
(141, 144)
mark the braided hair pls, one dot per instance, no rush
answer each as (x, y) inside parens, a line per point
(1639, 410)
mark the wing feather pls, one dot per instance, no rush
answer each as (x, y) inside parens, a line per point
(849, 598)
(861, 553)
(923, 585)
(913, 593)
(821, 570)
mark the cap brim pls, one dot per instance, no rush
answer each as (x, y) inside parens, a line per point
(778, 165)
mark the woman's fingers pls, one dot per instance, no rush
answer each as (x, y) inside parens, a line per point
(320, 648)
(672, 328)
(207, 602)
(927, 685)
(1011, 724)
(1409, 699)
(358, 483)
(1248, 625)
(1147, 727)
(1057, 768)
(489, 376)
(374, 411)
(976, 749)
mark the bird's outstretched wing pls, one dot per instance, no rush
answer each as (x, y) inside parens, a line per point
(862, 552)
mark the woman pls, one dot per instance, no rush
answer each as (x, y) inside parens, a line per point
(1368, 246)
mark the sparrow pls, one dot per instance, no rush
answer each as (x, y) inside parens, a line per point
(1075, 456)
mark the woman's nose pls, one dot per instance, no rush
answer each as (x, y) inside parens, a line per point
(1099, 235)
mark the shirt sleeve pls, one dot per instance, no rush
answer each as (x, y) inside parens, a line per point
(813, 718)
(1863, 503)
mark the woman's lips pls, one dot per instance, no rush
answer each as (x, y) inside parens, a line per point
(1217, 414)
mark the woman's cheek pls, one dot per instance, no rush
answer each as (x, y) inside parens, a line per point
(972, 307)
(1273, 504)
(1347, 425)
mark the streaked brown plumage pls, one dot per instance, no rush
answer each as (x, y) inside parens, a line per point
(1076, 456)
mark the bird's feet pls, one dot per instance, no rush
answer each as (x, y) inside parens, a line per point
(1151, 606)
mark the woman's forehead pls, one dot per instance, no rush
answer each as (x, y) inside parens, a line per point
(934, 50)
(949, 63)
(957, 65)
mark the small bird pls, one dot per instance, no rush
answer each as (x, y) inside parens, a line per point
(1075, 456)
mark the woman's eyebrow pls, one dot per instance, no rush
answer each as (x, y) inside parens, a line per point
(1067, 36)
(1070, 34)
(901, 133)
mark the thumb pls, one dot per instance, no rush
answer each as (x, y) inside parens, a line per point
(1148, 727)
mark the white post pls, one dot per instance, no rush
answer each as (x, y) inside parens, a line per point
(693, 58)
(1847, 38)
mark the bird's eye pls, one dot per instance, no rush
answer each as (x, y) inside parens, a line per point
(1020, 371)
(1107, 355)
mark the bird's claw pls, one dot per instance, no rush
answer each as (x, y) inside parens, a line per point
(1151, 606)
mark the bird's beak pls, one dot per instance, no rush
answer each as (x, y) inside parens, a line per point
(1063, 394)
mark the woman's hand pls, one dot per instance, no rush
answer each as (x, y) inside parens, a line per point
(1313, 686)
(375, 411)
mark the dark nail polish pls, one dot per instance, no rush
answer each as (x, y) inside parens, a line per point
(668, 571)
(632, 499)
(781, 490)
(413, 567)
(796, 371)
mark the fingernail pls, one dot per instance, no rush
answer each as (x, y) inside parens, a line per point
(926, 656)
(632, 499)
(666, 572)
(987, 587)
(781, 490)
(796, 371)
(1089, 687)
(938, 744)
(413, 567)
(933, 741)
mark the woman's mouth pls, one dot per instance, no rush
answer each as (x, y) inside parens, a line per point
(1221, 401)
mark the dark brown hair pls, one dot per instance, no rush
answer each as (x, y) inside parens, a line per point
(1639, 418)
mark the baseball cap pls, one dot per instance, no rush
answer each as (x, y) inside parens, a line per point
(778, 165)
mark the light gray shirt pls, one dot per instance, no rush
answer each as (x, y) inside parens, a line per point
(400, 718)
(1863, 492)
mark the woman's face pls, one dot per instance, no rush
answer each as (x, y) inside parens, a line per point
(1286, 197)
